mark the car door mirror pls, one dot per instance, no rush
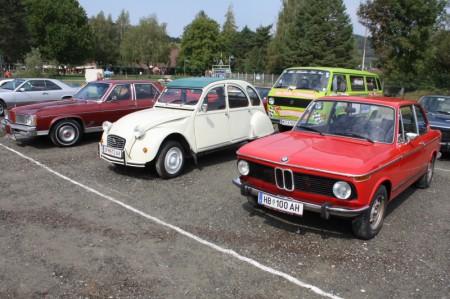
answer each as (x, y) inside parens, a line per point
(411, 136)
(21, 89)
(204, 108)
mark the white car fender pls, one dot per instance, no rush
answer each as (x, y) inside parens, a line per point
(260, 125)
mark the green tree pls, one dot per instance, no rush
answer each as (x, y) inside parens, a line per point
(199, 44)
(123, 23)
(256, 58)
(106, 42)
(400, 34)
(59, 29)
(14, 33)
(244, 43)
(146, 43)
(229, 33)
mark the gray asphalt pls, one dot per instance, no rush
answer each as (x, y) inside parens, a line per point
(58, 240)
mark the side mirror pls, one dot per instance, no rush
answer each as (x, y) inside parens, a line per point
(411, 136)
(21, 89)
(204, 108)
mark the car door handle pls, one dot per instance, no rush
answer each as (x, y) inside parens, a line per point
(226, 114)
(45, 93)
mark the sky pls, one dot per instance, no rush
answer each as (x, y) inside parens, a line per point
(179, 13)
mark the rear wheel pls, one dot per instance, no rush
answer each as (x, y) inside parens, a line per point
(66, 133)
(2, 108)
(425, 181)
(170, 161)
(368, 225)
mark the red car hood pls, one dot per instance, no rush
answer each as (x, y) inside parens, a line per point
(51, 105)
(338, 155)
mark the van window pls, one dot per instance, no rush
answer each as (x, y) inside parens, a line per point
(339, 83)
(357, 83)
(379, 84)
(371, 83)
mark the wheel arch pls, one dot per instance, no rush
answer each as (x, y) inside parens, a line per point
(387, 183)
(180, 138)
(260, 125)
(59, 119)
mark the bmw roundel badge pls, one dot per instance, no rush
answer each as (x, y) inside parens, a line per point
(284, 159)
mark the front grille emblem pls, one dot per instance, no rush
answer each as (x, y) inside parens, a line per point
(284, 159)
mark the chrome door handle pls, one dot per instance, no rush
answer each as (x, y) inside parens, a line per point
(226, 114)
(45, 93)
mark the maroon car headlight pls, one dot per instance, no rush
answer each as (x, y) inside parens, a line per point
(243, 167)
(342, 190)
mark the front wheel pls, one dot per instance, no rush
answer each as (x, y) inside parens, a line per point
(368, 225)
(65, 133)
(170, 161)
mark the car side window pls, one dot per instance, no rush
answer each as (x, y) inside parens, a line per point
(371, 83)
(215, 99)
(236, 97)
(254, 98)
(145, 91)
(34, 85)
(120, 93)
(421, 122)
(51, 86)
(408, 121)
(339, 83)
(357, 83)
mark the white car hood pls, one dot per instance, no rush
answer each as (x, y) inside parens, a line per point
(147, 119)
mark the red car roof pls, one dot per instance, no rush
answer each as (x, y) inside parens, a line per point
(394, 102)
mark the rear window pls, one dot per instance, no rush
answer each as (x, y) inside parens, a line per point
(371, 83)
(357, 83)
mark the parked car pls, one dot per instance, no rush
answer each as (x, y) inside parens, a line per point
(346, 156)
(263, 93)
(4, 81)
(192, 116)
(19, 92)
(438, 113)
(67, 120)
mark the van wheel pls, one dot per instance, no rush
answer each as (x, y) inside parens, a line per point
(170, 161)
(425, 181)
(368, 224)
(65, 133)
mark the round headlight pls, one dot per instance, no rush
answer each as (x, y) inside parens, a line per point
(271, 101)
(342, 190)
(243, 167)
(106, 126)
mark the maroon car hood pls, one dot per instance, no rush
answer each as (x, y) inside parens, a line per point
(338, 155)
(33, 108)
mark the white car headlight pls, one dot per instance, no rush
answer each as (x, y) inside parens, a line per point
(342, 190)
(138, 132)
(243, 167)
(271, 101)
(27, 120)
(106, 126)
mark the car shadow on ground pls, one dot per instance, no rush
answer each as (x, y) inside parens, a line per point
(44, 142)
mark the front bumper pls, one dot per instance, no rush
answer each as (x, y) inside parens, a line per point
(21, 132)
(119, 161)
(325, 210)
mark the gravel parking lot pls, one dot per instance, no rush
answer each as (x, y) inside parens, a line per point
(74, 226)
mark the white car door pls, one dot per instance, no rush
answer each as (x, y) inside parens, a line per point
(211, 122)
(240, 113)
(32, 91)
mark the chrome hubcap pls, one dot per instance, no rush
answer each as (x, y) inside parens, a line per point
(376, 213)
(67, 134)
(173, 160)
(1, 109)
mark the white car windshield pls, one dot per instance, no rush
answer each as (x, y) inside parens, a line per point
(92, 91)
(370, 122)
(304, 79)
(11, 85)
(180, 96)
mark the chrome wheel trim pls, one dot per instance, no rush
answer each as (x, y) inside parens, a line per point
(67, 134)
(377, 212)
(2, 109)
(430, 170)
(173, 160)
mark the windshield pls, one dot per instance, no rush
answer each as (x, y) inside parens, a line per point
(180, 96)
(304, 79)
(437, 104)
(357, 120)
(92, 91)
(12, 85)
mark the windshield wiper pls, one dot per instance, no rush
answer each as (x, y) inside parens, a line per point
(356, 136)
(310, 129)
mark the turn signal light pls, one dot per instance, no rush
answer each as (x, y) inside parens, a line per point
(145, 150)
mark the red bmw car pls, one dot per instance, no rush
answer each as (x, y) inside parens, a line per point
(346, 156)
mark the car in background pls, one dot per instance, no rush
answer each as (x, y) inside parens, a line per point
(65, 121)
(438, 113)
(191, 117)
(4, 81)
(19, 92)
(263, 93)
(346, 156)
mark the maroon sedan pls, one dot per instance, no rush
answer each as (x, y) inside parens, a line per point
(67, 120)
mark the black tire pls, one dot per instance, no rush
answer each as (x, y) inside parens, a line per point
(66, 133)
(368, 225)
(425, 181)
(170, 160)
(2, 108)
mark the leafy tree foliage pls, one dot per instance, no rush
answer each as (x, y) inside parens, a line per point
(256, 57)
(123, 23)
(105, 39)
(60, 29)
(229, 33)
(146, 43)
(13, 30)
(199, 44)
(401, 33)
(244, 42)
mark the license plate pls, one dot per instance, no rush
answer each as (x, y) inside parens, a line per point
(287, 122)
(280, 204)
(112, 152)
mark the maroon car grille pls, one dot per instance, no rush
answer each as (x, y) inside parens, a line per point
(115, 141)
(287, 180)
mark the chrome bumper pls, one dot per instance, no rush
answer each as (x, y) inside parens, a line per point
(20, 132)
(325, 210)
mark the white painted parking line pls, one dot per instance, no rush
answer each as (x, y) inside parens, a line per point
(442, 169)
(181, 231)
